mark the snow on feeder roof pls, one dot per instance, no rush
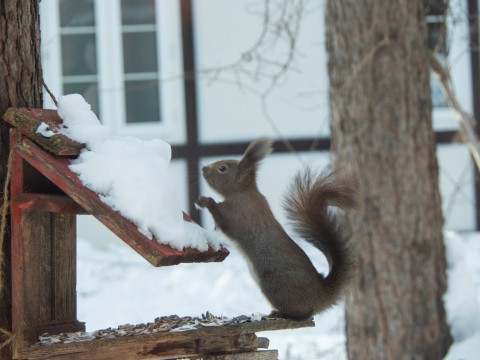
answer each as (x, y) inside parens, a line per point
(123, 181)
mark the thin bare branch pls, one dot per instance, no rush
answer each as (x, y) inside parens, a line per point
(465, 120)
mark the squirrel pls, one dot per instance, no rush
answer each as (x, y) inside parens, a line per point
(281, 268)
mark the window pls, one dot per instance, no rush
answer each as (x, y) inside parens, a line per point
(140, 61)
(78, 50)
(124, 57)
(437, 42)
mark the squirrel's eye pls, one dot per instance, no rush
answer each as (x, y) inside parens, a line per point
(223, 168)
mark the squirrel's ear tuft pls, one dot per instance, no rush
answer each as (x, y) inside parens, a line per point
(256, 151)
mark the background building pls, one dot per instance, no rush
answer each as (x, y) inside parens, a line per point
(208, 76)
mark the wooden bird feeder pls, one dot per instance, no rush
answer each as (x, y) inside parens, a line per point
(45, 199)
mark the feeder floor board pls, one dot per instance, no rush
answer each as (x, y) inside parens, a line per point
(229, 340)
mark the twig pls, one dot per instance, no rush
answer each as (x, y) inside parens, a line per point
(50, 93)
(360, 65)
(9, 338)
(465, 120)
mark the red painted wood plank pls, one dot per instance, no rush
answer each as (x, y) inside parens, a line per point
(17, 245)
(27, 120)
(56, 170)
(47, 202)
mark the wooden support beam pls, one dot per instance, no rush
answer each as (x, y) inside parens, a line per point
(56, 170)
(48, 202)
(27, 121)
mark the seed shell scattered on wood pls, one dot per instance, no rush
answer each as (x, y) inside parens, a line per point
(172, 323)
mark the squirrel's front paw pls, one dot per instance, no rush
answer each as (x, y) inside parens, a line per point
(205, 202)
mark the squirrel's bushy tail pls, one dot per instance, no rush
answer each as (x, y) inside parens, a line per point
(308, 204)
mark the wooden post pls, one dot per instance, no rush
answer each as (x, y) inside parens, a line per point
(43, 255)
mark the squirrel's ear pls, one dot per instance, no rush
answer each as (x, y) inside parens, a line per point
(256, 151)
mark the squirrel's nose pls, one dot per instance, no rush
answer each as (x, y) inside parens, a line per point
(205, 168)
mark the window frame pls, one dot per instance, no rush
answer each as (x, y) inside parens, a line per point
(110, 75)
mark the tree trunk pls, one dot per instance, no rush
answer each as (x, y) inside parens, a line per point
(20, 86)
(382, 136)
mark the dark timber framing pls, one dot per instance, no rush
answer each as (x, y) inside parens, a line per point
(475, 71)
(192, 147)
(193, 151)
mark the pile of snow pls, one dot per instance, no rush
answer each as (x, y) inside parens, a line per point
(132, 176)
(462, 300)
(461, 304)
(44, 131)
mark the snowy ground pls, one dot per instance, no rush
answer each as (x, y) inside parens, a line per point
(116, 286)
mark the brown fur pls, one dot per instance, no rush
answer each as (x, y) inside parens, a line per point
(283, 271)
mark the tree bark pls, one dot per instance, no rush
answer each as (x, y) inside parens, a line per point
(382, 135)
(20, 86)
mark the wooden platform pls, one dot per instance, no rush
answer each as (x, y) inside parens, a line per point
(167, 338)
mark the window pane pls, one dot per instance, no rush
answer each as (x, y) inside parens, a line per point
(141, 98)
(436, 7)
(79, 54)
(88, 90)
(139, 52)
(436, 38)
(76, 13)
(136, 12)
(438, 98)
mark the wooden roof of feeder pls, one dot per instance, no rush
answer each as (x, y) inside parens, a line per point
(51, 157)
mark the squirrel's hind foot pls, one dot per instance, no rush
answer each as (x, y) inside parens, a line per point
(281, 315)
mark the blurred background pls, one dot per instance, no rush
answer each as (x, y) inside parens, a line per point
(206, 77)
(209, 76)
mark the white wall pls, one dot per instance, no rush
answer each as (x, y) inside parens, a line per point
(230, 105)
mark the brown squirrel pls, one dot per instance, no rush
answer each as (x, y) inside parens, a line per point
(283, 271)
